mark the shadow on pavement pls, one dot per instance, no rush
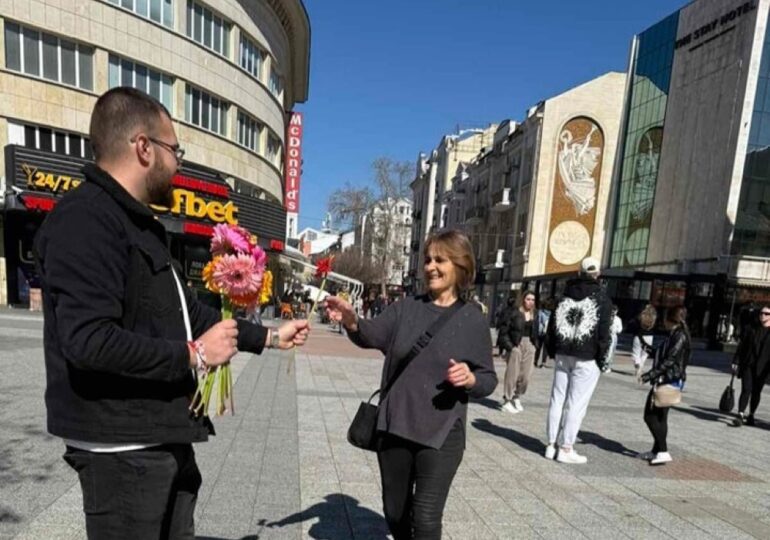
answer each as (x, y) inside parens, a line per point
(488, 403)
(337, 517)
(525, 441)
(608, 445)
(706, 413)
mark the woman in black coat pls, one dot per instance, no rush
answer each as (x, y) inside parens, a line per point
(669, 367)
(752, 366)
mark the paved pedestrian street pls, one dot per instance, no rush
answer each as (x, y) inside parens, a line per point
(281, 467)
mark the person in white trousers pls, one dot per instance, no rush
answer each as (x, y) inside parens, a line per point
(578, 338)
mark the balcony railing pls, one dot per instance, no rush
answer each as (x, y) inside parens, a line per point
(475, 215)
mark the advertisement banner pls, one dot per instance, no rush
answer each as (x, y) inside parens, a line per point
(293, 165)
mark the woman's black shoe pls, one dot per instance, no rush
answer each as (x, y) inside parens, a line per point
(750, 420)
(738, 422)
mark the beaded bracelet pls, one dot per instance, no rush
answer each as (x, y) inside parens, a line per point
(200, 354)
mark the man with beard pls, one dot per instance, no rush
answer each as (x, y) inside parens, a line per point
(123, 337)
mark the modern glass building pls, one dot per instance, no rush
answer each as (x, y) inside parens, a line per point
(650, 79)
(690, 222)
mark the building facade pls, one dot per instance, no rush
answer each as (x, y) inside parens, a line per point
(691, 219)
(534, 200)
(430, 188)
(229, 73)
(386, 237)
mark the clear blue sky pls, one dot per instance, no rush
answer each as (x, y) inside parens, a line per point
(391, 77)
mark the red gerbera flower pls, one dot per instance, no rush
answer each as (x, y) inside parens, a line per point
(323, 267)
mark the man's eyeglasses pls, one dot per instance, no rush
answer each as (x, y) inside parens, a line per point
(175, 149)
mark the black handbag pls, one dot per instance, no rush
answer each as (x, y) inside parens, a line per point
(727, 401)
(362, 432)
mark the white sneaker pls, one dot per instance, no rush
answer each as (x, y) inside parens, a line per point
(570, 457)
(661, 458)
(647, 456)
(509, 408)
(550, 451)
(517, 404)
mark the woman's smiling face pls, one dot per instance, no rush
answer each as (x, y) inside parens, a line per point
(440, 272)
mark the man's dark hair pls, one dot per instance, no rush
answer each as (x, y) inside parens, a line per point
(118, 115)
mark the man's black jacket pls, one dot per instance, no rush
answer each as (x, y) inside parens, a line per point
(580, 324)
(117, 362)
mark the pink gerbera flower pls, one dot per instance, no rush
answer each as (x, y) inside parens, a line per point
(260, 257)
(228, 239)
(237, 276)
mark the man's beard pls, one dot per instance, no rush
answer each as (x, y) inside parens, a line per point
(160, 190)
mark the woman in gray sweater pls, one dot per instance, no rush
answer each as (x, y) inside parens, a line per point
(421, 420)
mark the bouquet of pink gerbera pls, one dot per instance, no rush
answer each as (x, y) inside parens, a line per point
(235, 273)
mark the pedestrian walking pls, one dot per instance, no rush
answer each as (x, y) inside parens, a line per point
(642, 344)
(519, 338)
(615, 329)
(543, 316)
(752, 365)
(578, 339)
(123, 337)
(669, 370)
(505, 313)
(421, 419)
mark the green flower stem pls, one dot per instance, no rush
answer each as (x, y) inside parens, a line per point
(317, 298)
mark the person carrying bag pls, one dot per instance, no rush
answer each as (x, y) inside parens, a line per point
(667, 378)
(419, 424)
(363, 429)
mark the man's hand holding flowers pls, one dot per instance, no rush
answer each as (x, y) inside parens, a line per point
(220, 343)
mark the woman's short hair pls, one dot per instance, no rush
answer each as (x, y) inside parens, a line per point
(648, 317)
(457, 248)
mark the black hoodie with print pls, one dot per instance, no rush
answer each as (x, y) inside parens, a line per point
(580, 324)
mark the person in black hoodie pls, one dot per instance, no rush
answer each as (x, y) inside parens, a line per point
(123, 337)
(669, 368)
(752, 365)
(578, 338)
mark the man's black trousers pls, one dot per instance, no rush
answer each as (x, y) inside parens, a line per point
(147, 493)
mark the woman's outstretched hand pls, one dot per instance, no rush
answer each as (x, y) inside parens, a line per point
(460, 375)
(340, 310)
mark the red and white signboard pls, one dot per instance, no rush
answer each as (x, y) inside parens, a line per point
(293, 165)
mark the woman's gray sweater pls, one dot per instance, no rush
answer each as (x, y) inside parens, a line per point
(422, 406)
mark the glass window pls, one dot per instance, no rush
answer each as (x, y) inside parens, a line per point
(45, 139)
(62, 61)
(251, 57)
(60, 143)
(50, 57)
(276, 85)
(168, 13)
(207, 28)
(31, 52)
(123, 72)
(86, 67)
(12, 47)
(643, 140)
(68, 63)
(206, 111)
(160, 11)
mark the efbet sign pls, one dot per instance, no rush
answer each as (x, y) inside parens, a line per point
(293, 165)
(189, 204)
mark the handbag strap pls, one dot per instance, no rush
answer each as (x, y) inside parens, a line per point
(420, 344)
